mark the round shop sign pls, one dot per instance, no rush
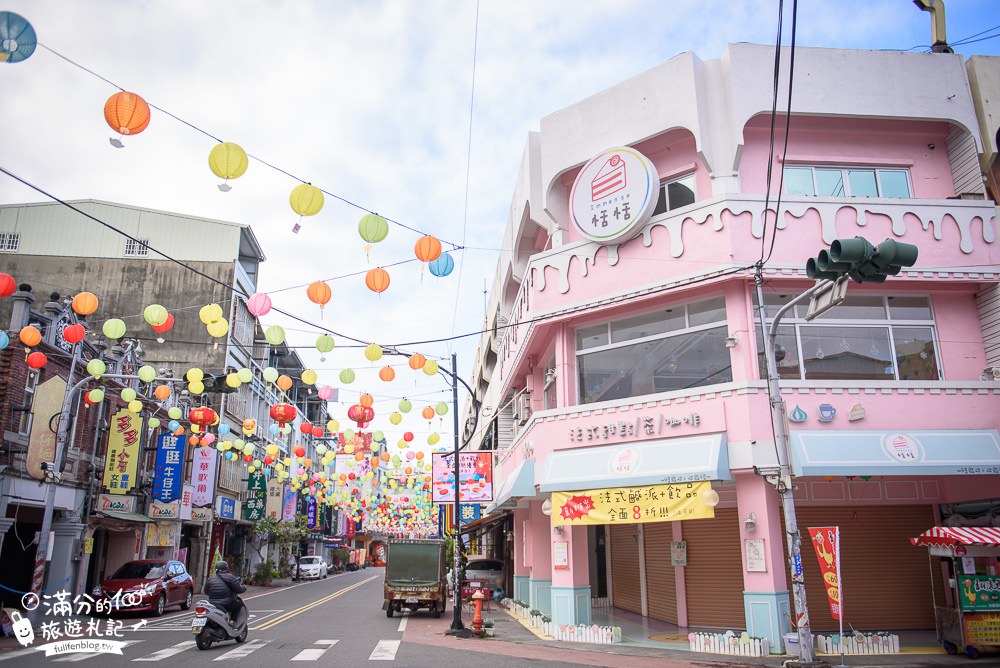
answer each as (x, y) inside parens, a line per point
(624, 461)
(614, 195)
(902, 448)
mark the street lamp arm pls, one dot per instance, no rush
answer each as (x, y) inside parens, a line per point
(773, 330)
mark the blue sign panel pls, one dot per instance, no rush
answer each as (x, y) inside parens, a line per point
(227, 508)
(470, 512)
(311, 521)
(167, 481)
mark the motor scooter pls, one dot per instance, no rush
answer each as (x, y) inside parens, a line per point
(212, 623)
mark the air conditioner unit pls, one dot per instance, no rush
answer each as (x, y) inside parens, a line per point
(522, 407)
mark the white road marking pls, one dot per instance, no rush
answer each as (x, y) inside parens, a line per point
(81, 656)
(402, 624)
(314, 653)
(243, 650)
(385, 650)
(168, 652)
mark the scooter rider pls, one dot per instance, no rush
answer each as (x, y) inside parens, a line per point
(223, 589)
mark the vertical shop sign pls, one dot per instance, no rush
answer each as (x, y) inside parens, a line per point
(275, 498)
(123, 452)
(186, 502)
(203, 476)
(256, 495)
(289, 512)
(167, 474)
(826, 542)
(312, 520)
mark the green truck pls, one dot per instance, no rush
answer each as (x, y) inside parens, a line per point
(415, 576)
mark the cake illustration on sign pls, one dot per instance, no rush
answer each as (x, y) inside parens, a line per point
(609, 180)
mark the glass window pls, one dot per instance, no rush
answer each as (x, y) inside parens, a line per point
(857, 307)
(675, 194)
(863, 183)
(647, 324)
(708, 311)
(894, 183)
(846, 353)
(799, 181)
(910, 308)
(591, 337)
(915, 353)
(830, 182)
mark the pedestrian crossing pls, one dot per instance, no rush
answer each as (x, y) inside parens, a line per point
(384, 650)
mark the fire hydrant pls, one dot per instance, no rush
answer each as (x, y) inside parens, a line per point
(477, 616)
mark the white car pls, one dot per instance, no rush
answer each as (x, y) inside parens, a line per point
(312, 568)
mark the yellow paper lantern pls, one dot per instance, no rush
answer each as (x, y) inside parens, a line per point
(210, 313)
(228, 160)
(233, 379)
(306, 200)
(373, 352)
(135, 406)
(218, 328)
(194, 374)
(309, 377)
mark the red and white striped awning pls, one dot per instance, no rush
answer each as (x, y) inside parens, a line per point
(959, 536)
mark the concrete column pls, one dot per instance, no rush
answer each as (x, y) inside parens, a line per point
(571, 582)
(766, 601)
(21, 307)
(62, 568)
(521, 555)
(540, 584)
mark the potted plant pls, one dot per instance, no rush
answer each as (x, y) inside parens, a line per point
(488, 625)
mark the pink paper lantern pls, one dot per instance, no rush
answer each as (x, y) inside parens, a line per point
(259, 304)
(325, 392)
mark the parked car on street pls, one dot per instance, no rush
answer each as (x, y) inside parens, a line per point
(146, 585)
(312, 568)
(487, 572)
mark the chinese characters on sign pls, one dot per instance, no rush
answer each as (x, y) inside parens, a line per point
(613, 195)
(123, 452)
(312, 517)
(643, 425)
(203, 476)
(275, 498)
(475, 475)
(631, 505)
(256, 495)
(979, 592)
(826, 541)
(167, 476)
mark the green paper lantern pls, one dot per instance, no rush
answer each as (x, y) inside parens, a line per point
(114, 328)
(147, 373)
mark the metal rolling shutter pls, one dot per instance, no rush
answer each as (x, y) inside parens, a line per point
(661, 586)
(625, 592)
(886, 580)
(714, 574)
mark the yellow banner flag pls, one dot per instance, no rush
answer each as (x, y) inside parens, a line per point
(123, 452)
(632, 505)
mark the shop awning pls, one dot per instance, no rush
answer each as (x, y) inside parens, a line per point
(985, 536)
(125, 515)
(667, 461)
(518, 484)
(939, 452)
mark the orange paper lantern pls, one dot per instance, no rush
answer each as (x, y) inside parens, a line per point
(319, 293)
(85, 303)
(428, 413)
(162, 392)
(386, 373)
(427, 248)
(417, 361)
(126, 113)
(284, 382)
(30, 336)
(366, 400)
(377, 279)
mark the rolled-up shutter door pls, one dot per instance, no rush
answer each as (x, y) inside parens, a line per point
(661, 585)
(625, 592)
(885, 579)
(714, 574)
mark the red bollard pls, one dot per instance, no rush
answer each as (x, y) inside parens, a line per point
(477, 616)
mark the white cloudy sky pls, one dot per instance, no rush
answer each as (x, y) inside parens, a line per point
(371, 101)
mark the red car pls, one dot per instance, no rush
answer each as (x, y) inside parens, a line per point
(146, 585)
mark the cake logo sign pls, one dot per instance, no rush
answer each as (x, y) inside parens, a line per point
(614, 195)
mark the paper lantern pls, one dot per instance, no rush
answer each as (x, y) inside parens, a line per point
(417, 361)
(405, 405)
(233, 380)
(284, 382)
(196, 387)
(347, 376)
(96, 368)
(127, 114)
(7, 285)
(162, 392)
(146, 373)
(209, 313)
(373, 352)
(309, 377)
(427, 248)
(218, 328)
(324, 343)
(366, 400)
(165, 327)
(249, 426)
(227, 161)
(155, 314)
(96, 395)
(442, 266)
(377, 279)
(194, 374)
(441, 408)
(373, 228)
(74, 333)
(17, 38)
(244, 375)
(333, 426)
(319, 293)
(317, 431)
(259, 304)
(305, 200)
(299, 451)
(275, 335)
(270, 374)
(361, 414)
(85, 303)
(135, 406)
(428, 413)
(202, 416)
(325, 392)
(386, 373)
(128, 394)
(430, 367)
(114, 328)
(37, 360)
(395, 418)
(30, 336)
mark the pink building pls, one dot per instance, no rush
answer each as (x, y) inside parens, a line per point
(624, 351)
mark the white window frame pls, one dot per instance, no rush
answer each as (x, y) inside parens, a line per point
(845, 178)
(10, 242)
(664, 192)
(135, 248)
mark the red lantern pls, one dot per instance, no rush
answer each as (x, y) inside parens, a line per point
(283, 413)
(317, 431)
(165, 327)
(7, 285)
(408, 436)
(202, 416)
(74, 333)
(247, 458)
(305, 428)
(300, 451)
(361, 414)
(37, 360)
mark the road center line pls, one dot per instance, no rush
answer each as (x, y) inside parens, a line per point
(309, 606)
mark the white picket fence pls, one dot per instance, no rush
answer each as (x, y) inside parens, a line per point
(598, 635)
(728, 643)
(600, 602)
(859, 643)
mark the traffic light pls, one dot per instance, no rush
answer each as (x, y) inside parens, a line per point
(862, 262)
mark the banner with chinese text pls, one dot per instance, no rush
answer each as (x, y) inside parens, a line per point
(826, 542)
(167, 474)
(256, 496)
(312, 516)
(288, 513)
(203, 476)
(979, 592)
(632, 505)
(123, 452)
(275, 498)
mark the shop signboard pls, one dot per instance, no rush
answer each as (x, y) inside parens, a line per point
(256, 496)
(186, 493)
(631, 505)
(164, 511)
(275, 498)
(614, 195)
(123, 452)
(167, 474)
(981, 628)
(979, 592)
(288, 512)
(203, 476)
(475, 476)
(312, 516)
(203, 514)
(121, 504)
(225, 507)
(826, 542)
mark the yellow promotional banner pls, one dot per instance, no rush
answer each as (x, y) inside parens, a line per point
(123, 452)
(632, 505)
